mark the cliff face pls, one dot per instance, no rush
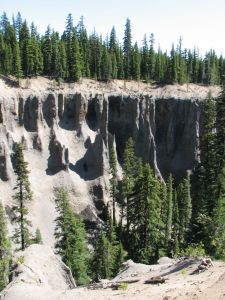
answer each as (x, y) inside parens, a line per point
(68, 131)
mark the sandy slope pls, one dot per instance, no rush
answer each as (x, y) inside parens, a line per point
(208, 285)
(181, 283)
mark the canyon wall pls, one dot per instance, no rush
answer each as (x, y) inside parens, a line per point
(67, 133)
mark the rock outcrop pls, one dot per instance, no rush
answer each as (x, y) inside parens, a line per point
(67, 133)
(40, 273)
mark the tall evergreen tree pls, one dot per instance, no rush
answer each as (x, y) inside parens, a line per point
(63, 73)
(185, 208)
(220, 134)
(204, 183)
(106, 65)
(22, 195)
(113, 183)
(169, 215)
(152, 57)
(129, 173)
(102, 262)
(127, 50)
(18, 25)
(146, 224)
(25, 50)
(17, 62)
(175, 247)
(218, 216)
(84, 47)
(5, 252)
(75, 59)
(47, 52)
(136, 71)
(70, 237)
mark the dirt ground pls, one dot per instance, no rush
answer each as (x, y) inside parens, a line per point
(182, 282)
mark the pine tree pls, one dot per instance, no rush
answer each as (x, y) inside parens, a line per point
(55, 58)
(127, 50)
(17, 62)
(106, 65)
(70, 237)
(145, 60)
(220, 135)
(68, 37)
(84, 47)
(22, 195)
(175, 247)
(75, 59)
(38, 237)
(204, 183)
(25, 50)
(5, 252)
(129, 173)
(173, 68)
(113, 183)
(102, 258)
(218, 222)
(185, 208)
(146, 225)
(136, 71)
(117, 251)
(208, 148)
(152, 61)
(4, 23)
(218, 216)
(63, 61)
(36, 66)
(169, 208)
(47, 52)
(18, 25)
(181, 64)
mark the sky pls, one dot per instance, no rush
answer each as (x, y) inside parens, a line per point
(200, 23)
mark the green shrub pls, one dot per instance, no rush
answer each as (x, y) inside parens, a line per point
(123, 286)
(183, 272)
(194, 250)
(20, 260)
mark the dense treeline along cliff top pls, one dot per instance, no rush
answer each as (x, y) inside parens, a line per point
(75, 54)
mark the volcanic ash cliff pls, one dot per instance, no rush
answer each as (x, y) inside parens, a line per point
(68, 129)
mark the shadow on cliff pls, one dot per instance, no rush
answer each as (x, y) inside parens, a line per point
(9, 81)
(59, 157)
(71, 112)
(90, 166)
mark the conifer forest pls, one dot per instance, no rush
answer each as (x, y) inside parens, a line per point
(75, 54)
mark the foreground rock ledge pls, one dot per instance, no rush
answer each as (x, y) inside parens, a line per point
(38, 273)
(43, 276)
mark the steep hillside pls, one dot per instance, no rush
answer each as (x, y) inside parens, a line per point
(68, 129)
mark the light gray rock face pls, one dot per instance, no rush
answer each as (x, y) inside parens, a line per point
(67, 135)
(165, 131)
(4, 163)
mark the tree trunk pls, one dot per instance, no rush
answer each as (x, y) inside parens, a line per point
(21, 218)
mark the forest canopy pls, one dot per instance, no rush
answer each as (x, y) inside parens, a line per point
(74, 54)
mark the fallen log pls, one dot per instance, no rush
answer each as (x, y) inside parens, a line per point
(156, 280)
(111, 284)
(133, 280)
